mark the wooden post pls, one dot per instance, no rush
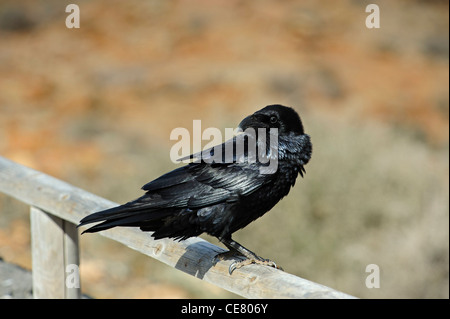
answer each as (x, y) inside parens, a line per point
(54, 244)
(71, 261)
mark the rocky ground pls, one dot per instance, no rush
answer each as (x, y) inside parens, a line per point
(15, 282)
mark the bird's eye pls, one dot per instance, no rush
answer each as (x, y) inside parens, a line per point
(273, 119)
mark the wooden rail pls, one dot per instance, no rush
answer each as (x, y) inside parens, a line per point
(56, 207)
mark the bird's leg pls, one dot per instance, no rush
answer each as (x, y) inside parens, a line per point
(227, 254)
(251, 258)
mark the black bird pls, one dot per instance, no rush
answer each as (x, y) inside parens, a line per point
(220, 197)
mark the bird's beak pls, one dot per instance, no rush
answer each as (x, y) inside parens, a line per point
(249, 121)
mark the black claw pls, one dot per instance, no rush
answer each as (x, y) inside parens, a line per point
(232, 268)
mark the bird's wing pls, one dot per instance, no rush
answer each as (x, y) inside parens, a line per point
(198, 185)
(194, 186)
(218, 174)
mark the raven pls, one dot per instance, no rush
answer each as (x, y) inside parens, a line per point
(220, 197)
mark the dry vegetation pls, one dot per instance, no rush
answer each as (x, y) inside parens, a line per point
(95, 107)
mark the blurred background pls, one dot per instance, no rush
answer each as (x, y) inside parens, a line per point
(95, 106)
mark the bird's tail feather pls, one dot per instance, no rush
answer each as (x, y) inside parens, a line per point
(124, 215)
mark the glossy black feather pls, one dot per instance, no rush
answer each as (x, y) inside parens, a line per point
(216, 198)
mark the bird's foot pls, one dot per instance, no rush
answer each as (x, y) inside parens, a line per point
(226, 255)
(260, 261)
(238, 251)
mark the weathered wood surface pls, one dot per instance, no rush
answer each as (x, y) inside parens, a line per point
(193, 256)
(54, 246)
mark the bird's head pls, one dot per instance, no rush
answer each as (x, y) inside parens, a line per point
(284, 118)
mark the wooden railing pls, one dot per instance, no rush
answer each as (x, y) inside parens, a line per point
(56, 207)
